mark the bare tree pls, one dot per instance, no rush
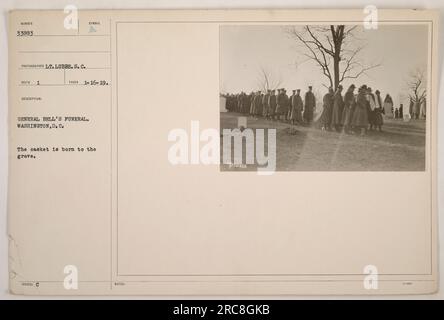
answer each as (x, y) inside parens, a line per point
(268, 80)
(331, 48)
(417, 85)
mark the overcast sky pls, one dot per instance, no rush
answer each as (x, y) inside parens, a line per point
(245, 49)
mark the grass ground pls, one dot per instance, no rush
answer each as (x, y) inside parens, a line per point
(400, 147)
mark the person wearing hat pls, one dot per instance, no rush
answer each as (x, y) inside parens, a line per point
(258, 105)
(349, 106)
(338, 105)
(372, 105)
(310, 105)
(272, 104)
(296, 108)
(278, 102)
(378, 99)
(245, 103)
(252, 98)
(255, 102)
(360, 115)
(287, 106)
(290, 98)
(327, 104)
(282, 104)
(378, 120)
(265, 106)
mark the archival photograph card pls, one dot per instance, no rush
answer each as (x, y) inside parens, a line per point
(222, 152)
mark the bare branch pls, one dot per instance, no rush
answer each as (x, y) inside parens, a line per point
(267, 80)
(331, 46)
(417, 85)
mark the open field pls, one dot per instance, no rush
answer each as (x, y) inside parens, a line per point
(400, 147)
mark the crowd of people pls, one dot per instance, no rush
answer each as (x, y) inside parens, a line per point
(350, 112)
(275, 105)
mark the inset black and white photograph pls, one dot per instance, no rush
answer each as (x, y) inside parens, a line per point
(336, 97)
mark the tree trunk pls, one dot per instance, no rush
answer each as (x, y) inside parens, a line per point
(337, 40)
(336, 70)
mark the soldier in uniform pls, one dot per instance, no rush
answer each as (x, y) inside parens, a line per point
(327, 100)
(310, 105)
(378, 120)
(287, 105)
(253, 98)
(279, 104)
(349, 105)
(258, 105)
(265, 106)
(360, 115)
(338, 105)
(372, 106)
(245, 103)
(290, 98)
(282, 104)
(272, 104)
(296, 107)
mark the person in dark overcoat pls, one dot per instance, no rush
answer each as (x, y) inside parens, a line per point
(378, 120)
(296, 108)
(309, 105)
(349, 106)
(327, 101)
(360, 115)
(282, 104)
(265, 106)
(338, 106)
(272, 104)
(258, 105)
